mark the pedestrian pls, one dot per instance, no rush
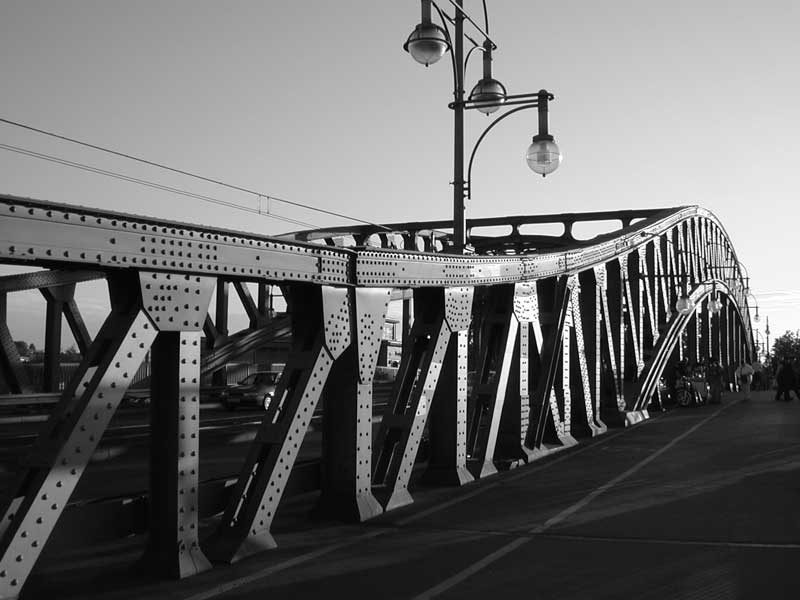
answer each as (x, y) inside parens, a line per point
(744, 375)
(785, 380)
(714, 375)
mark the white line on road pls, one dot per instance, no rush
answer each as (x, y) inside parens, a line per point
(253, 577)
(287, 564)
(560, 517)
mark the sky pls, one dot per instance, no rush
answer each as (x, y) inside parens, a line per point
(656, 104)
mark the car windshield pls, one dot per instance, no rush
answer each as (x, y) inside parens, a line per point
(259, 378)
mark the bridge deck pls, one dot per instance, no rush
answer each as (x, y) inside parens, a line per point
(695, 503)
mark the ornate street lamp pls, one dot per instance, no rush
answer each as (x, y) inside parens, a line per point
(427, 44)
(543, 155)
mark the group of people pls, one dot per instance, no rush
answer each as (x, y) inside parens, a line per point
(787, 380)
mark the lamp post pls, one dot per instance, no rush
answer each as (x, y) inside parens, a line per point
(430, 42)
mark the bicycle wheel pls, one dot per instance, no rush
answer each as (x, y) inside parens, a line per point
(683, 397)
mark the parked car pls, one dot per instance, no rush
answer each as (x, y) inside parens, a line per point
(257, 390)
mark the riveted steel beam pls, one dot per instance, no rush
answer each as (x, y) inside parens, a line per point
(52, 470)
(50, 234)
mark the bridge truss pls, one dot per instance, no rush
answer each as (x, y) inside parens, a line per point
(523, 348)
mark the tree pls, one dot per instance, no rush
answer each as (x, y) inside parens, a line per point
(23, 348)
(786, 347)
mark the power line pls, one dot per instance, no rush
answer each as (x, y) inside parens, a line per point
(151, 184)
(182, 172)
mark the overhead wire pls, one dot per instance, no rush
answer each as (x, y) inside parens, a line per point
(185, 173)
(150, 184)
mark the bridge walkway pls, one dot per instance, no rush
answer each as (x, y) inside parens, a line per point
(694, 503)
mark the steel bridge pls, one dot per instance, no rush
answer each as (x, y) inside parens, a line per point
(526, 346)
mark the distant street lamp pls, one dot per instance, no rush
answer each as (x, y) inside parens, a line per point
(714, 305)
(427, 44)
(684, 305)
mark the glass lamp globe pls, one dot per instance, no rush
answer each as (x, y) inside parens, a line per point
(714, 306)
(684, 305)
(756, 318)
(488, 90)
(543, 155)
(427, 43)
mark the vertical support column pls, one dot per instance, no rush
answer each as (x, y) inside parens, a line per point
(347, 418)
(56, 297)
(447, 419)
(614, 311)
(612, 412)
(716, 335)
(173, 548)
(591, 321)
(586, 416)
(220, 376)
(14, 374)
(175, 304)
(403, 423)
(408, 317)
(517, 416)
(499, 328)
(549, 423)
(724, 353)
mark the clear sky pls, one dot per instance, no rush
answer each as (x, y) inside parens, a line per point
(657, 104)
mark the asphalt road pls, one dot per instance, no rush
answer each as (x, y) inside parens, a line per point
(695, 503)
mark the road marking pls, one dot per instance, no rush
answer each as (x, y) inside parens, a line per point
(669, 542)
(523, 471)
(560, 517)
(266, 572)
(298, 560)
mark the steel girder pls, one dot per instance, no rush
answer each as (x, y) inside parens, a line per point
(573, 339)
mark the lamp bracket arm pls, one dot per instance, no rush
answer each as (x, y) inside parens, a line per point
(444, 19)
(483, 135)
(460, 9)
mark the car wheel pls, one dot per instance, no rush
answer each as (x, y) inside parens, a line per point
(227, 406)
